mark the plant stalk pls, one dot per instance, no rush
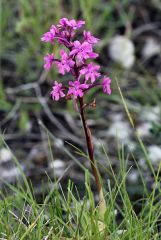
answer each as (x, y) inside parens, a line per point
(90, 147)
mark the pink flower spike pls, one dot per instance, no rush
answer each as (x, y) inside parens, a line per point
(106, 85)
(65, 64)
(76, 88)
(48, 59)
(89, 38)
(90, 72)
(57, 91)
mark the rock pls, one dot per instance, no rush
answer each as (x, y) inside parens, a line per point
(121, 130)
(133, 176)
(10, 174)
(155, 154)
(5, 155)
(131, 145)
(151, 114)
(144, 129)
(58, 166)
(143, 164)
(58, 143)
(151, 48)
(121, 50)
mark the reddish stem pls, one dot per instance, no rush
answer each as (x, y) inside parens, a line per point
(90, 148)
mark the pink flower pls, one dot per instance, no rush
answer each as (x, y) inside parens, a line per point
(90, 72)
(76, 88)
(65, 63)
(47, 37)
(54, 30)
(57, 91)
(106, 85)
(49, 58)
(89, 38)
(82, 51)
(76, 24)
(64, 22)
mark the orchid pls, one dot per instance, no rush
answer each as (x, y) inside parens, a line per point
(47, 37)
(57, 92)
(76, 88)
(106, 85)
(76, 60)
(65, 64)
(82, 51)
(48, 59)
(91, 72)
(89, 38)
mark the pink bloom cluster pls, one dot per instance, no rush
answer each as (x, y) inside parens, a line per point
(73, 60)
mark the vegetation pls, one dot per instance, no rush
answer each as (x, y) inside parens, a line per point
(30, 118)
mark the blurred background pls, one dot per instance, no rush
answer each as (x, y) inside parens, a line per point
(33, 126)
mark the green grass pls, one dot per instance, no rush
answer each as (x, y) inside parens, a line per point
(63, 214)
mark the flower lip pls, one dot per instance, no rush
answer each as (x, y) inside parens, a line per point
(57, 92)
(65, 64)
(106, 85)
(83, 51)
(47, 37)
(89, 37)
(49, 60)
(91, 72)
(77, 89)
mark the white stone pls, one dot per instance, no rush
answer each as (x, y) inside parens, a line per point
(58, 143)
(99, 143)
(121, 50)
(10, 173)
(58, 166)
(151, 114)
(116, 116)
(155, 154)
(143, 129)
(151, 48)
(133, 176)
(131, 145)
(5, 155)
(143, 164)
(121, 231)
(121, 130)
